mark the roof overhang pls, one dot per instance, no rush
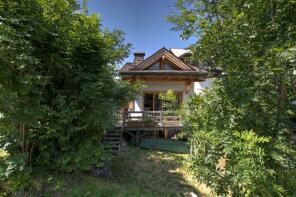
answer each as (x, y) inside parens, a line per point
(166, 74)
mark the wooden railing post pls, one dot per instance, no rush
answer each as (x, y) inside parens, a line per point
(161, 117)
(143, 118)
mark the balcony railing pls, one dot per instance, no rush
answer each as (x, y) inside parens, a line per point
(150, 119)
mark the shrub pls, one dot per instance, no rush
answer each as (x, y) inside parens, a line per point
(13, 173)
(244, 120)
(242, 162)
(58, 90)
(169, 102)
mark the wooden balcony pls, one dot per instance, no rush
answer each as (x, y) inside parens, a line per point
(146, 120)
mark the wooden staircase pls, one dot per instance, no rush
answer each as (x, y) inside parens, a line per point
(113, 140)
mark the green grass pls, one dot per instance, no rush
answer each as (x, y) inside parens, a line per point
(135, 172)
(156, 172)
(91, 186)
(175, 146)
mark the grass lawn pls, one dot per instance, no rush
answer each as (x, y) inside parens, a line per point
(175, 146)
(135, 172)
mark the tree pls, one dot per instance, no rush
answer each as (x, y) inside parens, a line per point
(58, 90)
(168, 100)
(240, 128)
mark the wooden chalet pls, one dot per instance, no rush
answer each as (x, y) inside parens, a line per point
(162, 71)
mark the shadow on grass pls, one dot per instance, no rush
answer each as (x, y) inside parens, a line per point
(135, 173)
(156, 172)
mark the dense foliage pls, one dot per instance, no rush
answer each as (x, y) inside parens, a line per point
(168, 100)
(240, 128)
(57, 83)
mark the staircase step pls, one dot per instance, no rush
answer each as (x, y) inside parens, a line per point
(115, 130)
(112, 142)
(113, 134)
(111, 139)
(111, 147)
(110, 132)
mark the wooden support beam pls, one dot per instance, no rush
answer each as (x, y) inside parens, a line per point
(166, 133)
(162, 63)
(187, 86)
(138, 138)
(131, 134)
(142, 135)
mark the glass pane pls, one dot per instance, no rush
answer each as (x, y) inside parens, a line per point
(154, 67)
(168, 67)
(157, 103)
(148, 102)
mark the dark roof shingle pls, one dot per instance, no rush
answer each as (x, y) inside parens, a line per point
(127, 67)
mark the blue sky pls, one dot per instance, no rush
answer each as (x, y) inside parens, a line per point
(143, 22)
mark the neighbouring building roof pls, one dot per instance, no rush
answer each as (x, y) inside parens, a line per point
(180, 52)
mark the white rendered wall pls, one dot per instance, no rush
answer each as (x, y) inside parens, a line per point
(200, 86)
(164, 85)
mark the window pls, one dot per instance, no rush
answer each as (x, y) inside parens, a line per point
(153, 103)
(148, 102)
(155, 66)
(168, 67)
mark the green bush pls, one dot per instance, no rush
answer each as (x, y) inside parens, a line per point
(58, 91)
(168, 101)
(13, 171)
(243, 121)
(242, 162)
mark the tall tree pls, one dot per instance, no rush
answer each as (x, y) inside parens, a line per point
(57, 81)
(240, 127)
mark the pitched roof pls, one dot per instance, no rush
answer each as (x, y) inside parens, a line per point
(185, 69)
(127, 67)
(168, 55)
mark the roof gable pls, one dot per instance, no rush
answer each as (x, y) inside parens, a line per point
(163, 54)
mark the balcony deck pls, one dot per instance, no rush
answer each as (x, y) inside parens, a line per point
(150, 120)
(140, 123)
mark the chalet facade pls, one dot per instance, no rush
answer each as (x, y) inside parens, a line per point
(164, 70)
(145, 117)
